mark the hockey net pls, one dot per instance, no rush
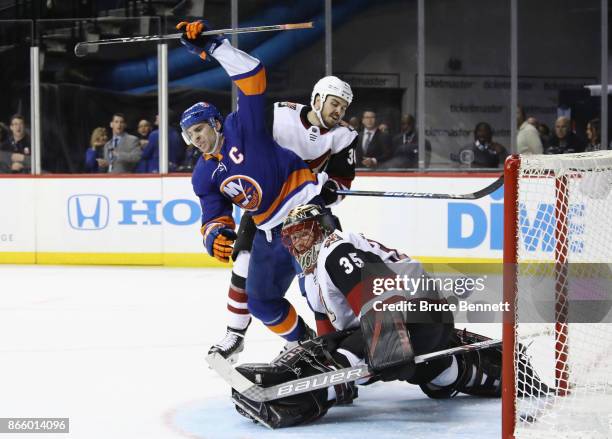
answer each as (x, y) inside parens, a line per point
(557, 256)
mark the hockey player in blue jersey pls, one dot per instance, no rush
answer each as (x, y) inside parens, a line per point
(243, 165)
(317, 135)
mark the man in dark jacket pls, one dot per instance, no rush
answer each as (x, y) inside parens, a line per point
(373, 146)
(564, 140)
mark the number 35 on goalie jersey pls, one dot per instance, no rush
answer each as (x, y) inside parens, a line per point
(345, 259)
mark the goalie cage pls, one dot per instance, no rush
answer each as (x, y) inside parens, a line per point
(557, 246)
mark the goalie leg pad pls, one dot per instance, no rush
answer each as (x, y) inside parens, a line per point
(311, 357)
(388, 347)
(479, 371)
(426, 338)
(284, 412)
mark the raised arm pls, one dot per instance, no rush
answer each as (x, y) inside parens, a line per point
(247, 72)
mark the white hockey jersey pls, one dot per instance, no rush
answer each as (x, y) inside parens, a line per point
(313, 144)
(330, 287)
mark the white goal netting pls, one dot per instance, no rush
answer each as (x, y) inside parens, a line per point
(563, 350)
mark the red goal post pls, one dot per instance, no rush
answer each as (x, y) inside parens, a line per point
(557, 218)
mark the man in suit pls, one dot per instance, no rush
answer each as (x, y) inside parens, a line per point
(405, 146)
(373, 146)
(122, 152)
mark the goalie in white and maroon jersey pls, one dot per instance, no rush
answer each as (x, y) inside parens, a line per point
(317, 134)
(339, 268)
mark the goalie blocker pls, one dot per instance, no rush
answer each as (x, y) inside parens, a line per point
(386, 341)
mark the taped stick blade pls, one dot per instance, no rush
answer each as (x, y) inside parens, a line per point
(225, 369)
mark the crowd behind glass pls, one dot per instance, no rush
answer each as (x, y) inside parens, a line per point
(118, 147)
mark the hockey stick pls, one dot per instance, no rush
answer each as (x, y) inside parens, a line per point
(301, 385)
(473, 196)
(81, 49)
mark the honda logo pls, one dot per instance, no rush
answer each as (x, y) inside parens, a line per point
(88, 211)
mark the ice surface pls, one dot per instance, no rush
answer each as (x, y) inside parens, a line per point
(120, 351)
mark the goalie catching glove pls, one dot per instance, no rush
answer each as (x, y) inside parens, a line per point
(197, 43)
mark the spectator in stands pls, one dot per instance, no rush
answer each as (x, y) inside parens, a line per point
(122, 152)
(4, 138)
(405, 146)
(143, 131)
(527, 139)
(192, 154)
(564, 140)
(149, 162)
(373, 146)
(20, 145)
(484, 152)
(355, 123)
(95, 152)
(544, 132)
(5, 150)
(593, 136)
(384, 128)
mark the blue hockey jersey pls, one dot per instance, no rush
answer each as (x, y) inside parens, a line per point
(251, 170)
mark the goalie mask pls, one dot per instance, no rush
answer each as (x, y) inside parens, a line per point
(304, 230)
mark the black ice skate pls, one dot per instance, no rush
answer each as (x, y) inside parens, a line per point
(231, 345)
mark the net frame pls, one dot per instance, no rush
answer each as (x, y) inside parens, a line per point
(553, 167)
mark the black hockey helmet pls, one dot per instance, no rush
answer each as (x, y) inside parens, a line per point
(304, 230)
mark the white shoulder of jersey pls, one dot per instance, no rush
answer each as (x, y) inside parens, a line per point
(334, 240)
(287, 128)
(359, 242)
(288, 108)
(343, 136)
(288, 114)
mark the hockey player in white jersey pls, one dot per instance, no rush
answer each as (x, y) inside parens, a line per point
(317, 134)
(339, 265)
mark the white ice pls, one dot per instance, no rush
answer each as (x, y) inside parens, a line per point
(120, 351)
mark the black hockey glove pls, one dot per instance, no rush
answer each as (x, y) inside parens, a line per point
(328, 192)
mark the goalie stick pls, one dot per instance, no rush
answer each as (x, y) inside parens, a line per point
(81, 49)
(473, 196)
(258, 393)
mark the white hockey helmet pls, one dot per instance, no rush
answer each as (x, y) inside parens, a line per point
(330, 85)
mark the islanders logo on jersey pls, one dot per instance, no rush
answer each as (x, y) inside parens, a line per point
(243, 191)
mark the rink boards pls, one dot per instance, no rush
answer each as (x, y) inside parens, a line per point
(151, 220)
